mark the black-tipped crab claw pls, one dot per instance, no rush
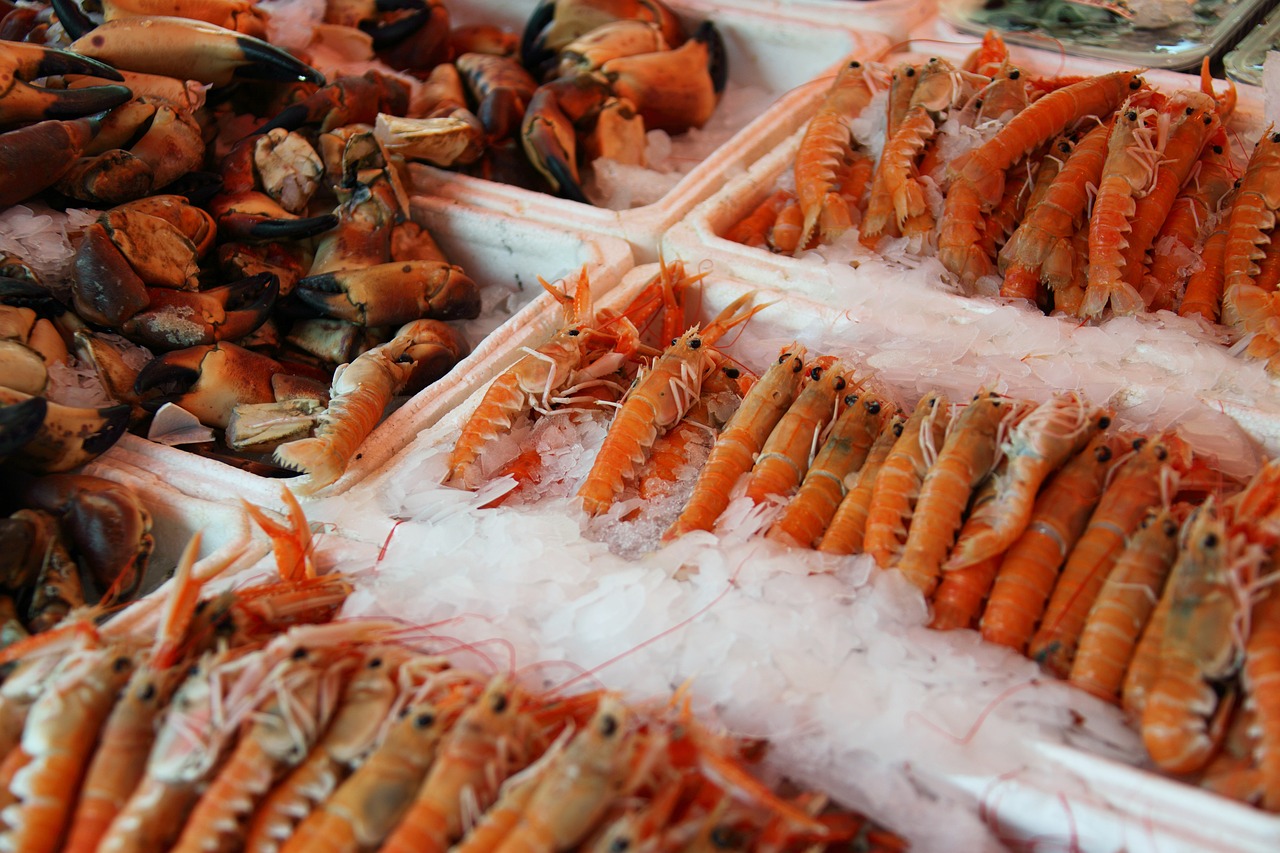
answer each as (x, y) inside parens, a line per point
(191, 50)
(549, 130)
(347, 100)
(244, 212)
(177, 319)
(19, 423)
(34, 157)
(66, 438)
(21, 102)
(556, 23)
(392, 294)
(208, 381)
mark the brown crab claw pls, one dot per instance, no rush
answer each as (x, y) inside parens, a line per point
(20, 422)
(109, 525)
(176, 319)
(550, 142)
(347, 100)
(556, 23)
(68, 437)
(392, 294)
(208, 381)
(190, 50)
(21, 102)
(34, 157)
(673, 90)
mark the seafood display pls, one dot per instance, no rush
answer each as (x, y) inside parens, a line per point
(1092, 198)
(247, 236)
(254, 718)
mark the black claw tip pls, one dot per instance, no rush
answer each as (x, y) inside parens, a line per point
(293, 229)
(20, 422)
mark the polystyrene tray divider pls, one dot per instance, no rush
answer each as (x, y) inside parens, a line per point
(765, 49)
(499, 252)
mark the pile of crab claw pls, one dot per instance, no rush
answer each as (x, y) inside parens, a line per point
(254, 226)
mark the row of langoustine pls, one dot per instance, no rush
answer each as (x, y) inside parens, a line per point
(254, 720)
(1097, 193)
(1067, 530)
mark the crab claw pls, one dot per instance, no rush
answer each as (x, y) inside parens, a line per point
(673, 90)
(392, 294)
(192, 50)
(347, 100)
(179, 318)
(68, 437)
(110, 527)
(549, 132)
(21, 102)
(556, 23)
(20, 422)
(208, 381)
(33, 158)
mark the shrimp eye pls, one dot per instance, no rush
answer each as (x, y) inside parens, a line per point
(897, 430)
(608, 725)
(573, 333)
(1015, 74)
(673, 341)
(1139, 443)
(725, 837)
(1170, 529)
(731, 372)
(374, 663)
(1275, 137)
(816, 373)
(977, 102)
(911, 71)
(873, 406)
(499, 703)
(1191, 110)
(202, 606)
(1104, 422)
(695, 343)
(1161, 453)
(1132, 115)
(1135, 83)
(855, 64)
(996, 402)
(1210, 540)
(798, 366)
(1064, 147)
(619, 844)
(850, 399)
(298, 653)
(933, 402)
(840, 384)
(1208, 120)
(1103, 454)
(784, 357)
(1217, 149)
(976, 396)
(148, 693)
(120, 664)
(423, 720)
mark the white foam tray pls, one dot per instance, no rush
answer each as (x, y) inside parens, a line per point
(505, 256)
(769, 51)
(1155, 371)
(1062, 797)
(894, 18)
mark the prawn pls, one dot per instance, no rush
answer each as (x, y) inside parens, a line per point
(826, 144)
(490, 739)
(743, 436)
(897, 484)
(1047, 437)
(966, 458)
(1125, 604)
(1030, 566)
(848, 526)
(1141, 481)
(1185, 718)
(805, 519)
(786, 453)
(1133, 155)
(658, 401)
